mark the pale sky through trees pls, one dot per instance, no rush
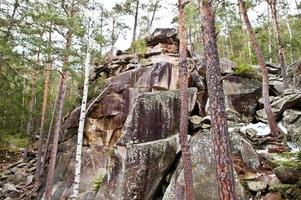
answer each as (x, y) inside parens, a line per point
(166, 14)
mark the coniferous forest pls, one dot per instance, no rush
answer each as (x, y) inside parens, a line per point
(150, 99)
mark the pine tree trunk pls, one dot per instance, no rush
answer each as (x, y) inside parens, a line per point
(270, 38)
(290, 38)
(281, 54)
(153, 16)
(135, 21)
(188, 178)
(58, 119)
(223, 162)
(49, 135)
(33, 97)
(82, 123)
(44, 108)
(31, 104)
(265, 76)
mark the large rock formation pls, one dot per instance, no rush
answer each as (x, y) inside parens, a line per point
(131, 144)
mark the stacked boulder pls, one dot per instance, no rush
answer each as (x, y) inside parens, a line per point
(131, 138)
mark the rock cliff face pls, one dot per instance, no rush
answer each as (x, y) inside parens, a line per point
(131, 144)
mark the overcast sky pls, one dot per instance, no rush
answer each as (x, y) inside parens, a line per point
(166, 13)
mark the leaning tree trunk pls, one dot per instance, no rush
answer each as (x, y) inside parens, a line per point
(32, 104)
(281, 54)
(184, 105)
(223, 162)
(135, 21)
(153, 16)
(44, 108)
(58, 119)
(265, 76)
(82, 123)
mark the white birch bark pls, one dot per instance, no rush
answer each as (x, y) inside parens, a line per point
(82, 120)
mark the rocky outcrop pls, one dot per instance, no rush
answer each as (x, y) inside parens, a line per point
(204, 174)
(291, 99)
(241, 96)
(131, 144)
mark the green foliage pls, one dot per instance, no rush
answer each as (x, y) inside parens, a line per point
(244, 69)
(139, 46)
(97, 87)
(97, 182)
(13, 142)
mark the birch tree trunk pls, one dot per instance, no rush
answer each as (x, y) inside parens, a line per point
(184, 105)
(82, 122)
(265, 76)
(223, 162)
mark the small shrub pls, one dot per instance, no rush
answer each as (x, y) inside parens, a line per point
(13, 142)
(97, 182)
(139, 46)
(244, 69)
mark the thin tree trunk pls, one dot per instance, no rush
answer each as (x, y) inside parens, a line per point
(223, 162)
(265, 76)
(297, 7)
(153, 16)
(31, 111)
(112, 37)
(33, 97)
(270, 38)
(290, 37)
(49, 135)
(82, 118)
(188, 178)
(135, 21)
(58, 119)
(44, 108)
(281, 54)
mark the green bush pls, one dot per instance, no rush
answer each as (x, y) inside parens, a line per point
(139, 46)
(97, 182)
(244, 69)
(13, 142)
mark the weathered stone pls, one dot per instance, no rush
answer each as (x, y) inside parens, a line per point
(249, 155)
(227, 66)
(257, 186)
(195, 119)
(241, 95)
(162, 35)
(29, 179)
(294, 75)
(258, 129)
(159, 107)
(277, 87)
(288, 174)
(139, 169)
(280, 105)
(204, 180)
(94, 159)
(7, 188)
(290, 116)
(272, 196)
(164, 77)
